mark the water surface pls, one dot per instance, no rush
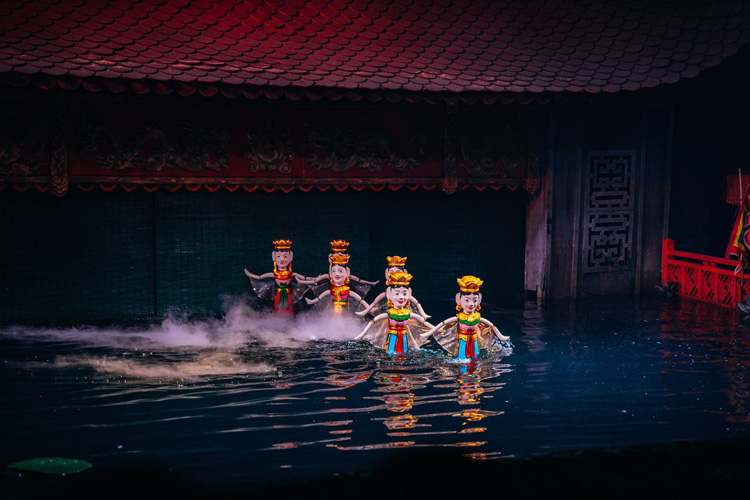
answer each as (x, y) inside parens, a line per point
(251, 398)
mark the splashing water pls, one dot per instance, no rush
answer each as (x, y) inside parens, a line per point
(187, 349)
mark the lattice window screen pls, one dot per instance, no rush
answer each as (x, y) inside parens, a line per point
(608, 216)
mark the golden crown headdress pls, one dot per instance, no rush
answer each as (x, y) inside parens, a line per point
(469, 284)
(339, 259)
(399, 278)
(396, 261)
(339, 246)
(282, 244)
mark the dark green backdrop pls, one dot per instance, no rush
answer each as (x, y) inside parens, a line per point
(119, 257)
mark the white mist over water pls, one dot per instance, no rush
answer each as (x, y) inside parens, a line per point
(188, 348)
(240, 326)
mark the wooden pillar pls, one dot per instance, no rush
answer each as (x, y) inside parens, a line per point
(564, 187)
(538, 234)
(655, 193)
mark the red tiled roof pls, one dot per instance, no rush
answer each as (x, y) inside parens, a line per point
(392, 48)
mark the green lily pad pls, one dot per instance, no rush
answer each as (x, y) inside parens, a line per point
(52, 465)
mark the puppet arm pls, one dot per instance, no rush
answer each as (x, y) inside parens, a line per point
(317, 299)
(256, 277)
(374, 302)
(494, 329)
(379, 317)
(312, 281)
(360, 280)
(358, 297)
(419, 308)
(306, 281)
(440, 325)
(417, 317)
(421, 320)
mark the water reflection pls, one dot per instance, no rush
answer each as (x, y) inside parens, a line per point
(346, 380)
(700, 338)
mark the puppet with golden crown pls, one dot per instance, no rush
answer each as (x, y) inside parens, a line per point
(380, 304)
(339, 294)
(346, 292)
(281, 286)
(467, 332)
(398, 330)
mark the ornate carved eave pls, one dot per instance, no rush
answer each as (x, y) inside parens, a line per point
(56, 146)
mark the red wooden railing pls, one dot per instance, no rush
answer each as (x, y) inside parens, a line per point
(702, 277)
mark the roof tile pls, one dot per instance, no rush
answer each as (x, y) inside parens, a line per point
(401, 45)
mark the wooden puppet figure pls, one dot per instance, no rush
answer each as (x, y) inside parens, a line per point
(281, 286)
(379, 305)
(398, 329)
(339, 292)
(346, 292)
(467, 332)
(339, 274)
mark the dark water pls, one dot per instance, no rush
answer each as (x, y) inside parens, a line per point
(247, 399)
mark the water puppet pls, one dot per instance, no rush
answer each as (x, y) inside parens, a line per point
(346, 292)
(282, 286)
(379, 305)
(339, 294)
(398, 329)
(467, 332)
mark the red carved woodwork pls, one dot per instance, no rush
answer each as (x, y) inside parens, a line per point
(703, 277)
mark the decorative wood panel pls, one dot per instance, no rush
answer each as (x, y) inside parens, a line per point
(608, 216)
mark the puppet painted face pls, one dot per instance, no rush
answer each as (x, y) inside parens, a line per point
(338, 274)
(468, 301)
(399, 296)
(282, 258)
